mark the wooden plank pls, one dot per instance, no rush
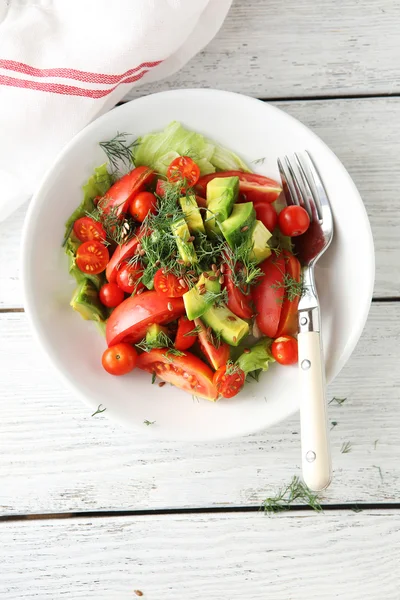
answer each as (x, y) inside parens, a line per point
(54, 457)
(298, 49)
(357, 130)
(297, 556)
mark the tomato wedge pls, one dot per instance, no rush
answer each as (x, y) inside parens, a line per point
(288, 318)
(121, 254)
(121, 193)
(255, 188)
(129, 321)
(184, 169)
(229, 383)
(238, 302)
(127, 278)
(184, 339)
(168, 284)
(268, 294)
(87, 229)
(217, 357)
(92, 257)
(186, 372)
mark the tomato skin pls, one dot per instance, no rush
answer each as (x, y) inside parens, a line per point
(186, 372)
(121, 254)
(183, 341)
(129, 321)
(121, 193)
(127, 277)
(293, 221)
(289, 316)
(142, 204)
(238, 302)
(252, 187)
(285, 350)
(268, 294)
(217, 357)
(267, 214)
(111, 295)
(231, 384)
(119, 359)
(167, 284)
(87, 229)
(92, 257)
(183, 168)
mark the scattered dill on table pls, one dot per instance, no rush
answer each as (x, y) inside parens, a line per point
(284, 499)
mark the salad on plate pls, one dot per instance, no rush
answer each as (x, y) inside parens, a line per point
(183, 258)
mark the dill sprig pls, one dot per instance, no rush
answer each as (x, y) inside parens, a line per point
(255, 375)
(292, 288)
(118, 230)
(99, 410)
(147, 422)
(259, 161)
(118, 151)
(346, 447)
(339, 401)
(193, 331)
(295, 490)
(244, 268)
(232, 368)
(161, 340)
(379, 471)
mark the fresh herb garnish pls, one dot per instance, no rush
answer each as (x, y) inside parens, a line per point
(153, 378)
(338, 400)
(161, 340)
(99, 410)
(119, 230)
(259, 161)
(293, 289)
(118, 150)
(295, 490)
(379, 470)
(147, 422)
(375, 444)
(346, 448)
(255, 375)
(193, 331)
(334, 423)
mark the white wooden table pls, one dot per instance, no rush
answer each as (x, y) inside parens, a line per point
(89, 510)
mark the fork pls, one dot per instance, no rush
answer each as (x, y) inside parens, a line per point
(302, 186)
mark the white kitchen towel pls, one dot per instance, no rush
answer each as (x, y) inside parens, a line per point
(65, 62)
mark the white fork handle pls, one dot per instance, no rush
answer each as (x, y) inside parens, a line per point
(315, 452)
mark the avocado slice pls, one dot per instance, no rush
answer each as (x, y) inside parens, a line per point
(222, 193)
(192, 214)
(259, 242)
(257, 357)
(222, 320)
(86, 302)
(239, 225)
(153, 333)
(185, 247)
(195, 303)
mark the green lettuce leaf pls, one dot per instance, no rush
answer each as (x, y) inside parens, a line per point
(259, 357)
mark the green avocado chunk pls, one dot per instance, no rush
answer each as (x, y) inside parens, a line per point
(154, 334)
(222, 193)
(86, 302)
(195, 303)
(258, 357)
(259, 242)
(239, 225)
(192, 214)
(231, 328)
(185, 247)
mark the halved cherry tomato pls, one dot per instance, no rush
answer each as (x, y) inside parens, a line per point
(252, 187)
(228, 383)
(128, 276)
(92, 257)
(121, 193)
(216, 354)
(111, 295)
(238, 302)
(288, 318)
(186, 372)
(119, 359)
(121, 254)
(183, 169)
(293, 221)
(87, 229)
(129, 321)
(142, 204)
(184, 339)
(268, 294)
(168, 284)
(285, 350)
(267, 214)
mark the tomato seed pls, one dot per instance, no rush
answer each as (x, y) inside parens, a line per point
(161, 384)
(214, 267)
(231, 318)
(221, 279)
(139, 291)
(182, 283)
(222, 268)
(217, 273)
(180, 262)
(245, 228)
(202, 290)
(138, 593)
(246, 350)
(234, 339)
(170, 307)
(206, 275)
(191, 238)
(213, 278)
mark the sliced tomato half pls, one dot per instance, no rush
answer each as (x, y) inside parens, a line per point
(186, 372)
(217, 356)
(238, 302)
(288, 318)
(168, 284)
(268, 294)
(121, 193)
(121, 254)
(129, 321)
(252, 187)
(184, 337)
(92, 257)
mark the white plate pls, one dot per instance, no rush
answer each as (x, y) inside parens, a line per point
(253, 129)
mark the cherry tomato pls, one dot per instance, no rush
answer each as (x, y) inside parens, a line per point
(267, 214)
(284, 350)
(121, 193)
(293, 221)
(228, 383)
(183, 169)
(183, 339)
(119, 359)
(186, 372)
(123, 253)
(252, 187)
(128, 276)
(111, 295)
(238, 302)
(169, 284)
(217, 354)
(268, 294)
(92, 257)
(142, 204)
(87, 229)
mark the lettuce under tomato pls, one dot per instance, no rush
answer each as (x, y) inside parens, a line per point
(258, 357)
(158, 150)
